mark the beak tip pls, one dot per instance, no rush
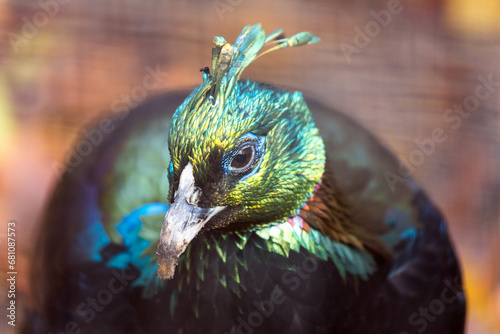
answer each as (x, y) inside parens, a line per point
(166, 269)
(168, 259)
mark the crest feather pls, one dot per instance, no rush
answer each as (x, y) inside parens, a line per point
(229, 61)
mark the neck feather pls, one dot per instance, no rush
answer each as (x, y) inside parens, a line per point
(328, 212)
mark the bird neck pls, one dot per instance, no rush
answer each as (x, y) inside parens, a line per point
(328, 212)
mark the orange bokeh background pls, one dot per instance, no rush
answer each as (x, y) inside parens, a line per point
(66, 62)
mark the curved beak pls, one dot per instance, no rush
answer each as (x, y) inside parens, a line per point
(183, 221)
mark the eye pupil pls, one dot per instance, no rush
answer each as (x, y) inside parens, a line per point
(240, 158)
(243, 158)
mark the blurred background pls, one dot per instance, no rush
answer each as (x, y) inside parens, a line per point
(398, 67)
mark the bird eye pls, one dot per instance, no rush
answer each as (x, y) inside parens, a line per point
(243, 159)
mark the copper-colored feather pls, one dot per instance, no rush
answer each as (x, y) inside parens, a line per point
(328, 212)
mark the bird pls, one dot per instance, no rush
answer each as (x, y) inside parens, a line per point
(242, 208)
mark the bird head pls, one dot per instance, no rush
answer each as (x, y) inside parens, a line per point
(243, 154)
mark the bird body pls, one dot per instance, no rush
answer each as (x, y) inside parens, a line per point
(279, 219)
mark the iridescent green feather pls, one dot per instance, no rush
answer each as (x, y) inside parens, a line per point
(135, 181)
